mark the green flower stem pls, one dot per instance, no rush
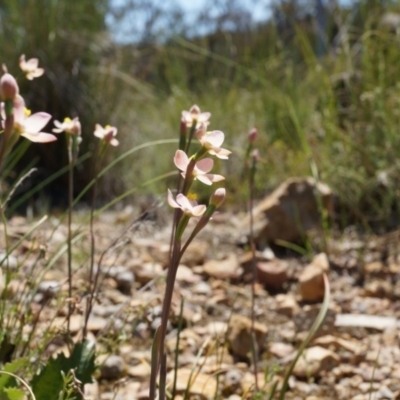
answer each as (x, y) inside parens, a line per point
(183, 222)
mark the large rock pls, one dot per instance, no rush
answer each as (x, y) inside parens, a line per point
(290, 211)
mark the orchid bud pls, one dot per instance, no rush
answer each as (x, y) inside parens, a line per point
(218, 197)
(255, 155)
(252, 135)
(8, 87)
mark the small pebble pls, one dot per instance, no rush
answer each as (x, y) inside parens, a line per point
(113, 368)
(49, 289)
(125, 281)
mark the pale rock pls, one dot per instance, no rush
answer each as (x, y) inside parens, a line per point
(337, 343)
(195, 254)
(91, 391)
(232, 382)
(379, 288)
(147, 272)
(280, 350)
(8, 261)
(227, 268)
(311, 280)
(286, 305)
(217, 328)
(272, 274)
(185, 274)
(290, 211)
(141, 371)
(240, 335)
(201, 385)
(202, 288)
(314, 361)
(49, 289)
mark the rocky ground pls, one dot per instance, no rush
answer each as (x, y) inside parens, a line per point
(354, 355)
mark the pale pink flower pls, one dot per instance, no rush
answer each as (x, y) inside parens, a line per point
(28, 125)
(200, 170)
(70, 126)
(194, 114)
(189, 207)
(107, 134)
(30, 67)
(212, 141)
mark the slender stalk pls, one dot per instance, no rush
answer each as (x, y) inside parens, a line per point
(177, 348)
(92, 284)
(169, 290)
(71, 160)
(254, 272)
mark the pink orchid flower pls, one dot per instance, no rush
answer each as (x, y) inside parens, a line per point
(107, 134)
(70, 126)
(194, 114)
(28, 125)
(200, 170)
(30, 67)
(189, 207)
(212, 141)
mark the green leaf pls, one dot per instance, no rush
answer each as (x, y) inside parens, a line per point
(14, 394)
(49, 382)
(7, 381)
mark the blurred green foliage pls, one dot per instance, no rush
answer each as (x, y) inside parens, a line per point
(335, 115)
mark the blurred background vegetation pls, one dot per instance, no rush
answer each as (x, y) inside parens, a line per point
(319, 79)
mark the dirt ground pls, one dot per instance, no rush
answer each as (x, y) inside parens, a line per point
(354, 355)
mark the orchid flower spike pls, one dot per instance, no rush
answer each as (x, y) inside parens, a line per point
(212, 141)
(30, 67)
(69, 126)
(200, 170)
(107, 134)
(194, 115)
(189, 207)
(27, 125)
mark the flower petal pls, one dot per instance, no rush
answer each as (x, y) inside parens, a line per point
(40, 137)
(181, 160)
(198, 211)
(203, 166)
(204, 179)
(220, 153)
(184, 202)
(171, 200)
(215, 138)
(36, 122)
(215, 177)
